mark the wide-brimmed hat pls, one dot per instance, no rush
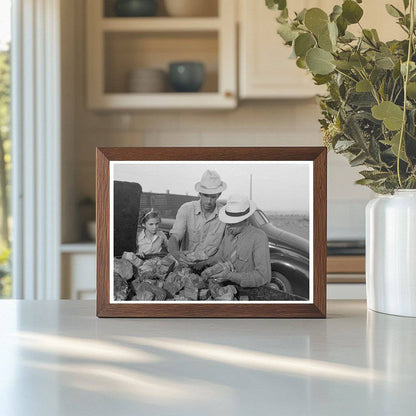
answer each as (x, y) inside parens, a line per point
(210, 183)
(237, 209)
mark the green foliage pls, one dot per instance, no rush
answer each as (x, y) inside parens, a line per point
(369, 112)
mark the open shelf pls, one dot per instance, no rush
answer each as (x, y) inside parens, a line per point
(210, 9)
(127, 51)
(160, 24)
(116, 46)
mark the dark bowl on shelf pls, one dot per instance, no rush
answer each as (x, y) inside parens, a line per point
(135, 8)
(186, 76)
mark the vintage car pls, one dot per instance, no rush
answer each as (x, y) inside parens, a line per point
(289, 256)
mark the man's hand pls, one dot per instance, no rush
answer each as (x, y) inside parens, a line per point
(219, 273)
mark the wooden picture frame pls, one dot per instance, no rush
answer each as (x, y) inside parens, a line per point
(312, 307)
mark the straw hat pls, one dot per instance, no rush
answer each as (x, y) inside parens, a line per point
(210, 183)
(237, 209)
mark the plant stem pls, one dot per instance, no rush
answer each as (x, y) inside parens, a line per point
(373, 90)
(406, 79)
(345, 75)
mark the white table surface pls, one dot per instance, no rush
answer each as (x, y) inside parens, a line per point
(57, 358)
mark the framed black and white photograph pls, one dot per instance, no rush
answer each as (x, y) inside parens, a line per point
(215, 232)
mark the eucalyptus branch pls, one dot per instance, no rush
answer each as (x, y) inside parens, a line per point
(346, 75)
(392, 90)
(406, 79)
(373, 89)
(397, 95)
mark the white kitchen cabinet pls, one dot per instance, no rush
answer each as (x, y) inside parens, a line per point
(265, 70)
(118, 45)
(78, 263)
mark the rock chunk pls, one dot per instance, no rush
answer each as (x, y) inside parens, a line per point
(204, 294)
(174, 283)
(145, 295)
(191, 293)
(121, 288)
(123, 268)
(140, 287)
(195, 281)
(132, 258)
(226, 293)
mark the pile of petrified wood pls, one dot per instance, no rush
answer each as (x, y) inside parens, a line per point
(160, 279)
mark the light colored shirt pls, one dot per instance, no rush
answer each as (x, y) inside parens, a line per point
(195, 232)
(153, 245)
(250, 255)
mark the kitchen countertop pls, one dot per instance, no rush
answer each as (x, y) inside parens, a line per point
(57, 358)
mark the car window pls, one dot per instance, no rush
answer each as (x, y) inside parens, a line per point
(260, 217)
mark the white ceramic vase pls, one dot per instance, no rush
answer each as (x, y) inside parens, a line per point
(391, 253)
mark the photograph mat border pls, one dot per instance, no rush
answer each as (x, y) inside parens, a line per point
(309, 163)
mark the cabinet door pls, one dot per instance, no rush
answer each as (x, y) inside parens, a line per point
(265, 68)
(117, 46)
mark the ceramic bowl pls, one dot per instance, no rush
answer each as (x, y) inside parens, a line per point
(135, 8)
(186, 76)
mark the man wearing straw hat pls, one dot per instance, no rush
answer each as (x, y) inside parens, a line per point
(197, 227)
(243, 256)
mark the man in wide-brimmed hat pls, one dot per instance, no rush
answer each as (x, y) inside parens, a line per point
(243, 256)
(197, 227)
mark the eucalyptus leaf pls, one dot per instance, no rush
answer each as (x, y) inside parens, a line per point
(284, 14)
(374, 150)
(303, 43)
(411, 90)
(391, 114)
(347, 37)
(351, 11)
(276, 4)
(394, 144)
(321, 79)
(358, 61)
(300, 17)
(343, 145)
(361, 99)
(364, 181)
(333, 32)
(412, 67)
(325, 42)
(393, 11)
(375, 175)
(301, 63)
(316, 20)
(286, 32)
(375, 35)
(319, 61)
(358, 160)
(342, 25)
(363, 86)
(385, 63)
(368, 35)
(343, 65)
(336, 12)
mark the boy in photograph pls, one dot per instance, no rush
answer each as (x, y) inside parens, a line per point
(197, 227)
(243, 256)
